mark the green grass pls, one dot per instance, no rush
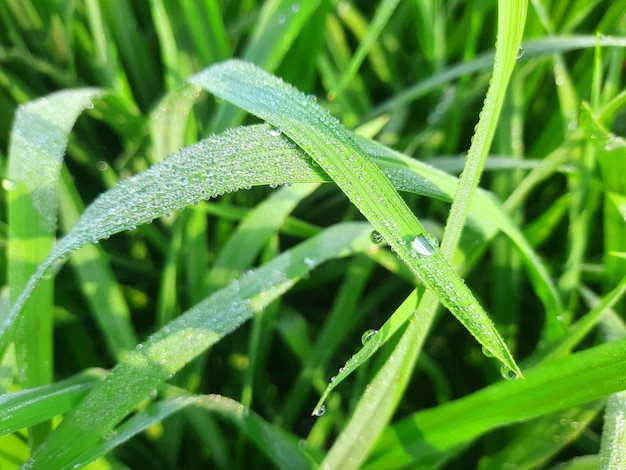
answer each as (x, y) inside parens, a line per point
(234, 233)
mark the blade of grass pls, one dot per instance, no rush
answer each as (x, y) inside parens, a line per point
(281, 448)
(532, 48)
(588, 375)
(32, 406)
(35, 156)
(381, 17)
(260, 157)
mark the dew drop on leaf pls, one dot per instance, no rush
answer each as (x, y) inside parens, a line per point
(508, 374)
(367, 336)
(520, 52)
(320, 411)
(376, 237)
(486, 352)
(425, 244)
(275, 131)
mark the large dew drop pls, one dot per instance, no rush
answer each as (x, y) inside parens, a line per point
(376, 237)
(508, 374)
(425, 244)
(320, 411)
(367, 336)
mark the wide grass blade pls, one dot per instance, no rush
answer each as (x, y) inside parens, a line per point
(32, 406)
(281, 448)
(588, 375)
(173, 346)
(36, 151)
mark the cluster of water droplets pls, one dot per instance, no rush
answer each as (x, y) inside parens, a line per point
(293, 9)
(237, 159)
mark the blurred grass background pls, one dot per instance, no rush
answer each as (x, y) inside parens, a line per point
(412, 74)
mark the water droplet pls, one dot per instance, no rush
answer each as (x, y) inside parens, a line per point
(376, 237)
(295, 7)
(320, 411)
(310, 262)
(367, 336)
(486, 352)
(520, 52)
(275, 131)
(281, 19)
(425, 244)
(508, 374)
(183, 181)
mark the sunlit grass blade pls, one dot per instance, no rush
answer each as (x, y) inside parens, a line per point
(383, 12)
(335, 150)
(26, 408)
(281, 448)
(536, 442)
(588, 375)
(35, 157)
(612, 453)
(373, 343)
(195, 173)
(173, 346)
(339, 324)
(278, 27)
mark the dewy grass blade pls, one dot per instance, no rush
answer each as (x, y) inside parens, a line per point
(337, 153)
(281, 448)
(587, 375)
(36, 151)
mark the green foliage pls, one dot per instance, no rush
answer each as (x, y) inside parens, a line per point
(183, 283)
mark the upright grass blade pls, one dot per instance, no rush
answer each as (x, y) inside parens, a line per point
(381, 17)
(334, 149)
(36, 154)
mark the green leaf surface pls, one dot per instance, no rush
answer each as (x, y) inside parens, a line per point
(588, 375)
(281, 448)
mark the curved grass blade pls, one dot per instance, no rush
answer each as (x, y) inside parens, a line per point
(234, 160)
(38, 141)
(334, 149)
(281, 448)
(532, 48)
(32, 406)
(173, 346)
(393, 324)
